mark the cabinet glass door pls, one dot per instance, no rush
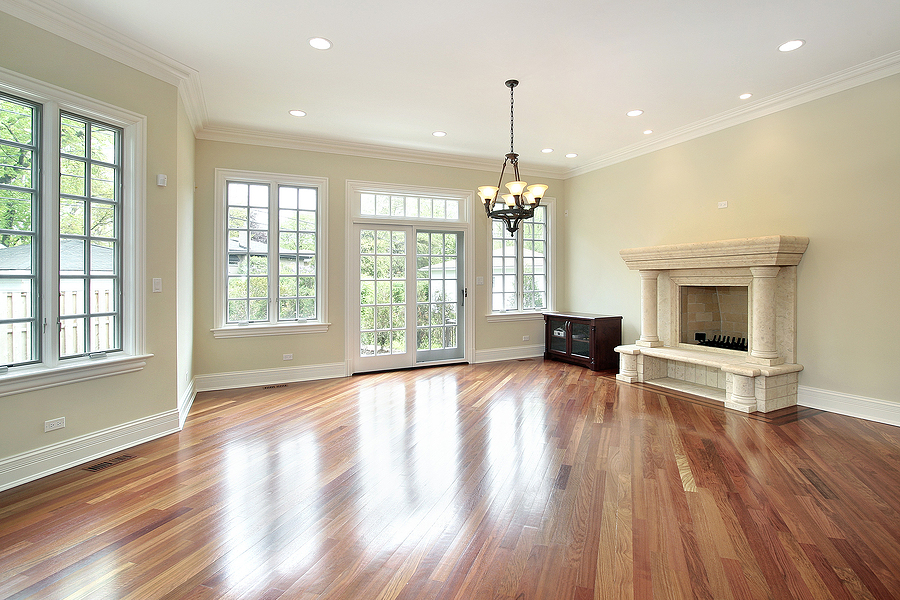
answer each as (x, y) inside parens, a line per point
(558, 335)
(581, 339)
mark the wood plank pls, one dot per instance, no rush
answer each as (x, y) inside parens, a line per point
(520, 479)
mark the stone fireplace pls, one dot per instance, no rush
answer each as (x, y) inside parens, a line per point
(744, 289)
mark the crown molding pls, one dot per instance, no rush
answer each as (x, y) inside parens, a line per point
(70, 25)
(840, 81)
(276, 140)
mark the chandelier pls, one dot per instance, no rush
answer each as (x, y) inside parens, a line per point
(519, 203)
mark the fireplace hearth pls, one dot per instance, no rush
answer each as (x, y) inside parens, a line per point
(737, 297)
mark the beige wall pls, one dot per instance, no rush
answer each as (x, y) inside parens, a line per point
(184, 242)
(104, 403)
(216, 356)
(828, 170)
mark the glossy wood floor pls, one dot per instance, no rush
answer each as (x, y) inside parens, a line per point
(515, 480)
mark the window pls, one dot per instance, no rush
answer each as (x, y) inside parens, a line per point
(520, 265)
(269, 249)
(71, 214)
(411, 207)
(90, 197)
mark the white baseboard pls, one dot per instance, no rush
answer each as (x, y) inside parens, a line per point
(28, 466)
(870, 409)
(514, 353)
(239, 379)
(185, 403)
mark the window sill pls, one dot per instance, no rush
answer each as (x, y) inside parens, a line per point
(29, 379)
(500, 317)
(239, 331)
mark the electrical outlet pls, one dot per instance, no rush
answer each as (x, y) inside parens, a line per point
(54, 424)
(723, 204)
(525, 338)
(287, 357)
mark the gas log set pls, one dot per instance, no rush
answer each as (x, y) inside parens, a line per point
(721, 341)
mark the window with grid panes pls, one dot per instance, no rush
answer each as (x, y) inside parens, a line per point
(70, 219)
(520, 265)
(272, 251)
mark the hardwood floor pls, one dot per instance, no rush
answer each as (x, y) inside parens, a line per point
(515, 480)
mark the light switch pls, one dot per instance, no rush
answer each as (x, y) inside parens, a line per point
(479, 281)
(161, 180)
(157, 285)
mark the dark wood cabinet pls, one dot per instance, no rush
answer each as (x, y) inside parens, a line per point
(583, 339)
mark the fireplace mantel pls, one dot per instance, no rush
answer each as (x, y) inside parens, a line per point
(773, 250)
(764, 378)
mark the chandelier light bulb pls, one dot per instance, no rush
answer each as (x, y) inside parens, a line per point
(516, 187)
(488, 193)
(537, 190)
(509, 199)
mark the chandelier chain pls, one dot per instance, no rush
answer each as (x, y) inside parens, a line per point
(511, 89)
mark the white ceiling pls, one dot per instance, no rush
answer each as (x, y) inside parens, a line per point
(401, 69)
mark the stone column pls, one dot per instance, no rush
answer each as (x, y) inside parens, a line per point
(763, 349)
(743, 394)
(628, 370)
(649, 310)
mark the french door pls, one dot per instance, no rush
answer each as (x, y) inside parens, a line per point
(409, 297)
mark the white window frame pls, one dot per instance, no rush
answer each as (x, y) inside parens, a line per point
(519, 314)
(355, 190)
(222, 329)
(463, 222)
(53, 371)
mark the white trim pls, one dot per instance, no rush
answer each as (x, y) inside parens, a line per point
(353, 189)
(524, 315)
(870, 409)
(68, 24)
(75, 27)
(185, 403)
(512, 353)
(503, 317)
(867, 72)
(34, 464)
(220, 242)
(29, 379)
(242, 379)
(259, 330)
(53, 371)
(279, 140)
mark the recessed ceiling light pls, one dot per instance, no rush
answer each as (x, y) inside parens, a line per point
(791, 45)
(320, 43)
(648, 131)
(744, 96)
(571, 155)
(298, 113)
(634, 113)
(439, 133)
(547, 150)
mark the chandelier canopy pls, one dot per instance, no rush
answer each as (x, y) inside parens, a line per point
(519, 203)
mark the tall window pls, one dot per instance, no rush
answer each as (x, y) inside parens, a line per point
(271, 254)
(520, 265)
(90, 175)
(70, 228)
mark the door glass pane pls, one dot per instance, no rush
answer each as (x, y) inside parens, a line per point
(581, 335)
(382, 297)
(558, 335)
(436, 294)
